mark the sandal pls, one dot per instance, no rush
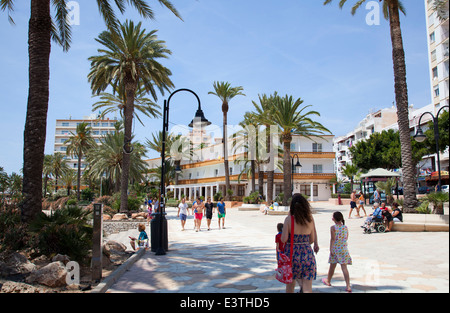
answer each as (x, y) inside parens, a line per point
(325, 282)
(348, 290)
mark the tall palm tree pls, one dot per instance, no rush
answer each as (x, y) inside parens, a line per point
(264, 112)
(110, 103)
(129, 61)
(225, 92)
(59, 167)
(391, 11)
(107, 159)
(77, 145)
(47, 171)
(288, 114)
(41, 30)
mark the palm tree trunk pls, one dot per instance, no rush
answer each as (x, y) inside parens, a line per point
(260, 180)
(80, 155)
(253, 170)
(271, 167)
(130, 88)
(401, 97)
(39, 47)
(225, 155)
(287, 171)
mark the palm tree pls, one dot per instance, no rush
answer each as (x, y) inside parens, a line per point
(128, 62)
(41, 30)
(78, 144)
(110, 103)
(350, 171)
(225, 92)
(68, 180)
(59, 167)
(289, 116)
(47, 170)
(264, 112)
(107, 159)
(391, 10)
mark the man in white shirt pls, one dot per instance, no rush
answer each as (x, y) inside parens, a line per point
(183, 211)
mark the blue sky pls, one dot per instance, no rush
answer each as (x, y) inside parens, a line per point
(332, 60)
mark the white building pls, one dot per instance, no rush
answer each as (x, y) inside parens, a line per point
(206, 175)
(64, 128)
(438, 53)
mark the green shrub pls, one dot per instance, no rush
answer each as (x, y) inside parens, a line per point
(13, 233)
(65, 231)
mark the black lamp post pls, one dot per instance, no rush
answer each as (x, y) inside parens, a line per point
(199, 120)
(293, 170)
(420, 137)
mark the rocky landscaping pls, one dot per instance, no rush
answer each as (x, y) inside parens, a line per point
(19, 273)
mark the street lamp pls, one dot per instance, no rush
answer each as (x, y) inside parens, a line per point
(293, 170)
(199, 120)
(420, 137)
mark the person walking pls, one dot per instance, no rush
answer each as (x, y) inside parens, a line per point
(209, 208)
(339, 250)
(198, 207)
(183, 212)
(352, 203)
(304, 268)
(221, 212)
(361, 204)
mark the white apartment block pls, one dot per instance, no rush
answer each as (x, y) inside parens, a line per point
(438, 53)
(205, 175)
(65, 127)
(379, 121)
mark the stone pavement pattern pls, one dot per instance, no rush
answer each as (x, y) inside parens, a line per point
(241, 258)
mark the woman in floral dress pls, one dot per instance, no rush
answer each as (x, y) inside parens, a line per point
(338, 250)
(304, 266)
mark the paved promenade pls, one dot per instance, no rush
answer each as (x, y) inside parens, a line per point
(241, 258)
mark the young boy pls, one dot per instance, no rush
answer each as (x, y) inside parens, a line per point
(221, 212)
(142, 240)
(278, 242)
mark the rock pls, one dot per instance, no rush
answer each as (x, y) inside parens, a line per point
(140, 215)
(106, 217)
(115, 251)
(119, 217)
(62, 258)
(15, 287)
(51, 275)
(16, 264)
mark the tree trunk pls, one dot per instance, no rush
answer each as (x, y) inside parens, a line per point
(126, 160)
(39, 47)
(287, 171)
(225, 154)
(401, 97)
(261, 181)
(253, 170)
(271, 167)
(80, 156)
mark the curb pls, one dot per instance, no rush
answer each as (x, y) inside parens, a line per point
(114, 277)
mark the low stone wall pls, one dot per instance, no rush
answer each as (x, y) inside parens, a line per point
(114, 227)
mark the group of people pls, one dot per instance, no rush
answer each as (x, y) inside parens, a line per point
(200, 208)
(357, 202)
(385, 214)
(304, 267)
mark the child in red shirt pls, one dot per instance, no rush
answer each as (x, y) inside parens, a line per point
(279, 243)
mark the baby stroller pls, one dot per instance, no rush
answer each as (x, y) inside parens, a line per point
(374, 224)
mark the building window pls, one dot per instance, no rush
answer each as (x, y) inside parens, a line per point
(241, 191)
(435, 72)
(306, 190)
(317, 147)
(433, 55)
(216, 172)
(231, 171)
(293, 147)
(436, 91)
(65, 124)
(432, 37)
(317, 168)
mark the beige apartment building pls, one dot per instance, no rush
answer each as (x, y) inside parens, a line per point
(438, 52)
(65, 127)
